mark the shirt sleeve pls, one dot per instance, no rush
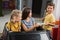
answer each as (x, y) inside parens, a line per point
(33, 20)
(52, 18)
(8, 25)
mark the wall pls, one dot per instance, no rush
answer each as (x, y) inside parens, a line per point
(0, 7)
(57, 9)
(29, 3)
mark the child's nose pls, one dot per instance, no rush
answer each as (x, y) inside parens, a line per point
(20, 18)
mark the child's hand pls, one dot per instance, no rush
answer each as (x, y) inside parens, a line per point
(49, 24)
(10, 31)
(37, 24)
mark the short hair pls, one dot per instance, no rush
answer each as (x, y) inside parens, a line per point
(51, 4)
(15, 13)
(25, 13)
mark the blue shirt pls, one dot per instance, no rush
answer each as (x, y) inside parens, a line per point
(30, 23)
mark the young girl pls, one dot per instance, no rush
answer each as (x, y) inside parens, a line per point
(14, 24)
(28, 22)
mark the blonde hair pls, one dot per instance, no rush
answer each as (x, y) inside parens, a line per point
(15, 13)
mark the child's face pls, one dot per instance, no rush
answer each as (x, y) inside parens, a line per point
(50, 9)
(30, 14)
(18, 18)
(14, 18)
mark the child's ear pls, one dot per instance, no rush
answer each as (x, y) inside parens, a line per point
(46, 10)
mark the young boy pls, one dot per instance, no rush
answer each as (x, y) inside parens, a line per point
(14, 24)
(49, 18)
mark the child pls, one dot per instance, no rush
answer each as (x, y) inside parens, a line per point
(14, 24)
(28, 22)
(49, 18)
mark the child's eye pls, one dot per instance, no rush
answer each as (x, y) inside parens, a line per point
(50, 8)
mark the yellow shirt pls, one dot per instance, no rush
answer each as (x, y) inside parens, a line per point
(14, 27)
(49, 19)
